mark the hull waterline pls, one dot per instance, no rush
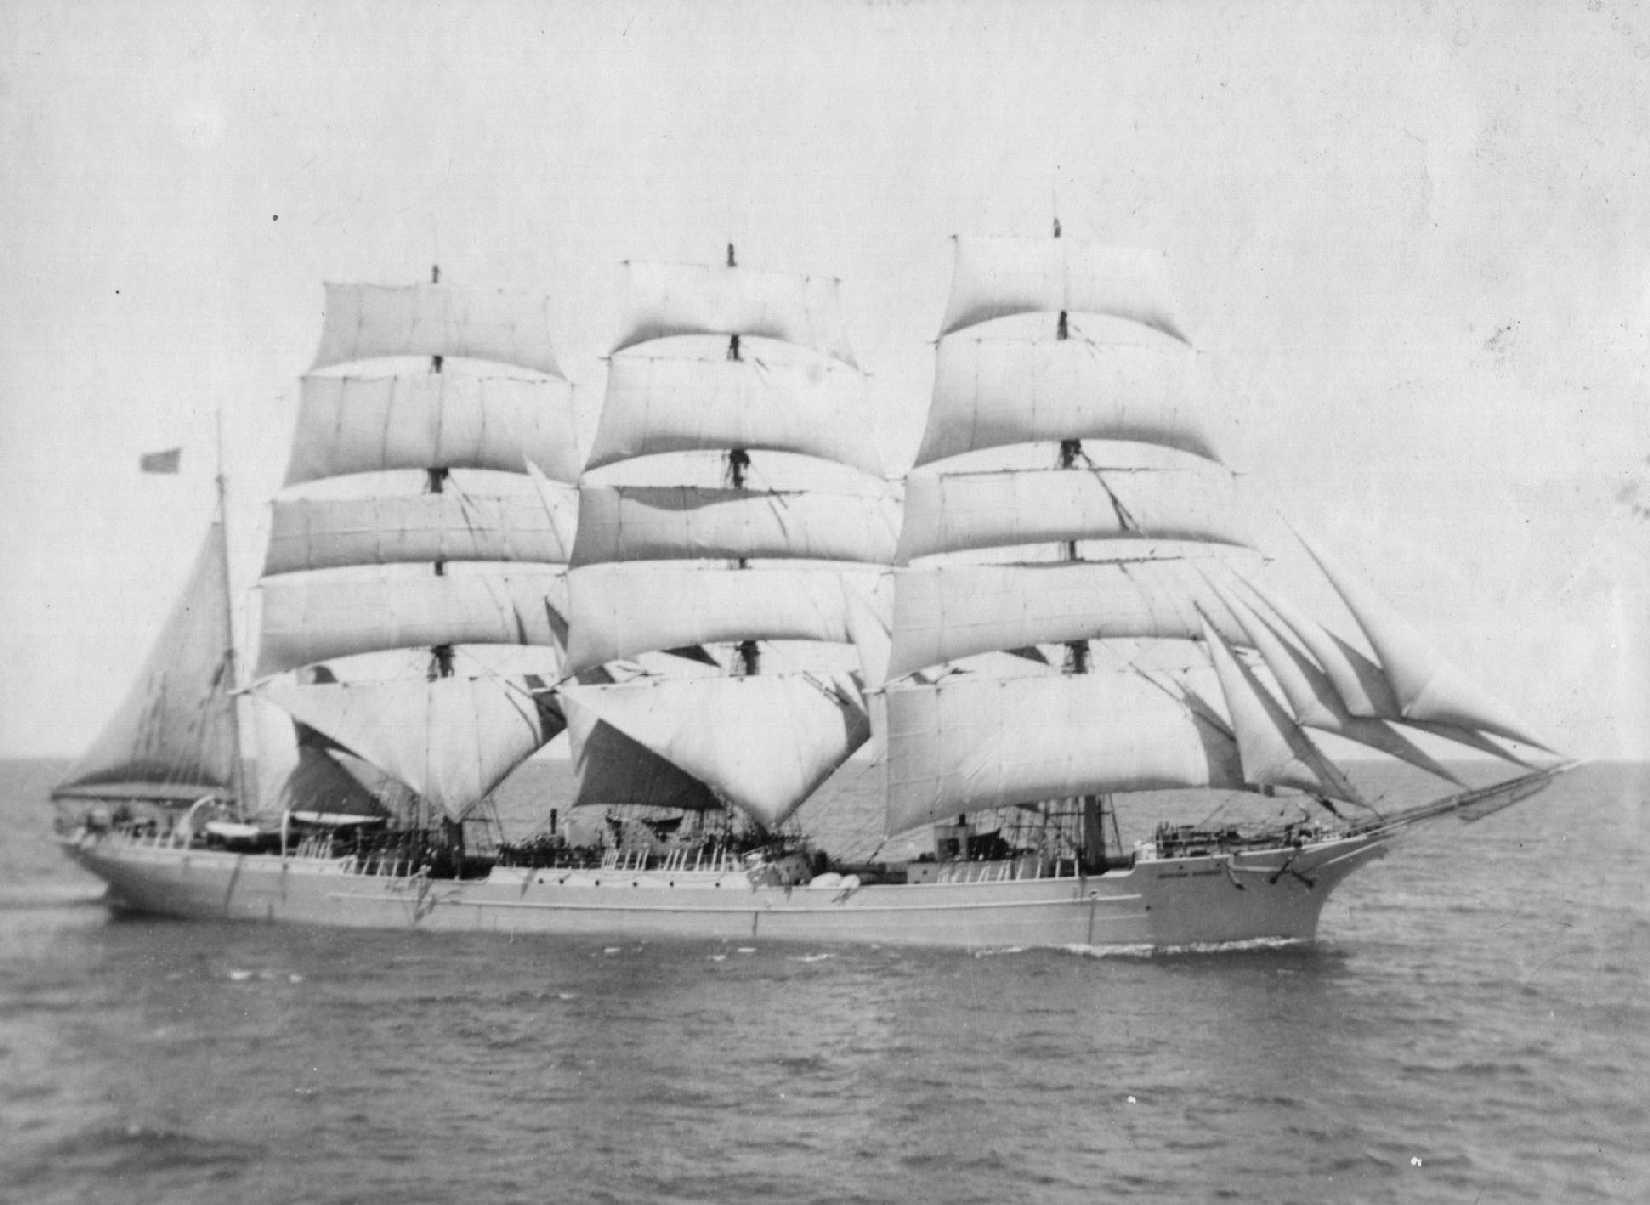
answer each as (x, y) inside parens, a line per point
(1272, 894)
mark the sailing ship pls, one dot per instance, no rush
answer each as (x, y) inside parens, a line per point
(1062, 614)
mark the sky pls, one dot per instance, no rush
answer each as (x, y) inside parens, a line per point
(1411, 242)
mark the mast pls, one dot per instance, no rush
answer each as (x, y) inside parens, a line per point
(441, 655)
(1091, 821)
(1158, 536)
(231, 662)
(739, 463)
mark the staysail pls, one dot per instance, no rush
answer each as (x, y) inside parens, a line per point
(173, 737)
(1427, 686)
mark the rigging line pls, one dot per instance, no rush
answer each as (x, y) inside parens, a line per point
(1187, 698)
(1124, 517)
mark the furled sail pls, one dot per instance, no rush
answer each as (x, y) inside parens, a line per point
(432, 420)
(364, 322)
(763, 743)
(613, 769)
(955, 512)
(647, 523)
(694, 299)
(322, 533)
(990, 393)
(617, 611)
(946, 612)
(1273, 749)
(451, 740)
(173, 736)
(819, 408)
(308, 618)
(1427, 686)
(998, 277)
(970, 743)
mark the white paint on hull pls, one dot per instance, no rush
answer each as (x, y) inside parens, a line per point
(1169, 903)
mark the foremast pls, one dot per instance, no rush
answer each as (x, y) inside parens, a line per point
(1129, 549)
(733, 499)
(430, 513)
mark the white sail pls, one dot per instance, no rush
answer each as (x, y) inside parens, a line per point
(1363, 689)
(451, 740)
(323, 533)
(998, 277)
(671, 404)
(1273, 749)
(1427, 686)
(173, 736)
(763, 743)
(617, 611)
(367, 321)
(308, 618)
(970, 743)
(692, 299)
(866, 612)
(614, 770)
(945, 612)
(954, 512)
(991, 393)
(1312, 696)
(432, 420)
(642, 523)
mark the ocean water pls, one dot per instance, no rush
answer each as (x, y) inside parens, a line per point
(1473, 1025)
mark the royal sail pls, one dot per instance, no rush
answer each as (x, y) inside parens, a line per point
(365, 322)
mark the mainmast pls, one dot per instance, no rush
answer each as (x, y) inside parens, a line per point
(739, 463)
(441, 655)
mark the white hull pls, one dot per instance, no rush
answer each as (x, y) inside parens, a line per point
(1274, 894)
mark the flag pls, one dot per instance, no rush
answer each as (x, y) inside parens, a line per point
(161, 462)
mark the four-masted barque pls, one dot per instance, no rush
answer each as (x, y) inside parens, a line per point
(726, 599)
